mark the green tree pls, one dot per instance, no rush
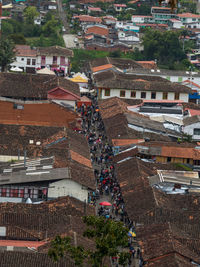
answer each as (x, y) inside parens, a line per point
(7, 28)
(7, 54)
(17, 38)
(51, 27)
(30, 13)
(163, 46)
(110, 239)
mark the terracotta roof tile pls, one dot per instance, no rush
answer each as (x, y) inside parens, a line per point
(103, 67)
(43, 114)
(86, 18)
(22, 259)
(82, 160)
(25, 51)
(188, 15)
(180, 152)
(124, 142)
(98, 30)
(17, 243)
(33, 86)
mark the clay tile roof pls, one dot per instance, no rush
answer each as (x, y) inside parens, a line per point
(147, 64)
(180, 152)
(83, 175)
(25, 51)
(31, 222)
(55, 51)
(193, 112)
(82, 160)
(98, 30)
(188, 15)
(33, 86)
(124, 142)
(22, 259)
(87, 18)
(158, 241)
(42, 114)
(21, 243)
(103, 67)
(98, 9)
(193, 119)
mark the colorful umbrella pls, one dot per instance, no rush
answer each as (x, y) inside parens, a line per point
(105, 203)
(131, 234)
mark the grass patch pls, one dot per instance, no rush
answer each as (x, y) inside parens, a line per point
(184, 167)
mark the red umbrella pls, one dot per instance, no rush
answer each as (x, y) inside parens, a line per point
(105, 203)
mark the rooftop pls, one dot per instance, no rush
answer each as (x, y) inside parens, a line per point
(10, 258)
(87, 18)
(112, 79)
(40, 114)
(188, 15)
(55, 51)
(98, 30)
(25, 51)
(33, 86)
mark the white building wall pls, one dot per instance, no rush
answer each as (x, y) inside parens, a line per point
(177, 25)
(137, 19)
(21, 62)
(159, 95)
(189, 129)
(68, 187)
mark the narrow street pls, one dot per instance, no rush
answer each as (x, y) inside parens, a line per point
(107, 187)
(63, 16)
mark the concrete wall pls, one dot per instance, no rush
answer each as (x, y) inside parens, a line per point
(68, 187)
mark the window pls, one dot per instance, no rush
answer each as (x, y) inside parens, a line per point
(62, 60)
(54, 59)
(165, 95)
(33, 61)
(153, 95)
(176, 96)
(180, 79)
(193, 19)
(188, 161)
(169, 159)
(133, 94)
(28, 61)
(43, 60)
(122, 93)
(143, 94)
(107, 92)
(196, 131)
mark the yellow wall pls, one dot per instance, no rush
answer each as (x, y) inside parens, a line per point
(173, 160)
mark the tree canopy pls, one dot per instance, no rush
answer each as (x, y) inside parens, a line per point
(7, 54)
(163, 46)
(110, 238)
(30, 14)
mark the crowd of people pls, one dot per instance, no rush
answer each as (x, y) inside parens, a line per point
(101, 153)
